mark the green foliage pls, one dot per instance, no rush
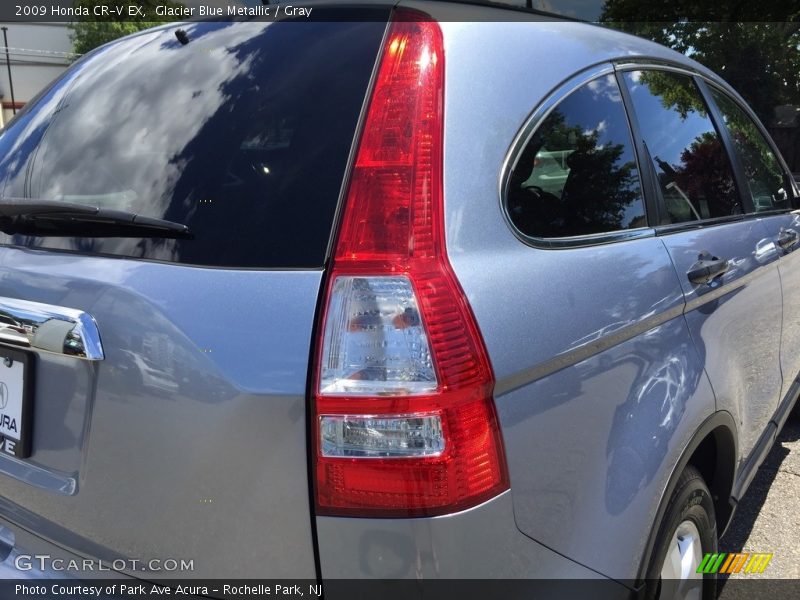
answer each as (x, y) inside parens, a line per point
(91, 32)
(758, 162)
(676, 92)
(757, 55)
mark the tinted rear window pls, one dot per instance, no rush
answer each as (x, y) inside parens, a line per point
(243, 135)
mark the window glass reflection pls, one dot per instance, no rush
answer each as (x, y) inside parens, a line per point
(243, 135)
(691, 164)
(578, 174)
(762, 171)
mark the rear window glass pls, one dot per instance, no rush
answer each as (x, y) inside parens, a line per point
(243, 134)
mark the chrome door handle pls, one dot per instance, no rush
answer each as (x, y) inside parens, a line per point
(49, 328)
(707, 268)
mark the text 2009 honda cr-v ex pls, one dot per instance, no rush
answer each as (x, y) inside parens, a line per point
(413, 291)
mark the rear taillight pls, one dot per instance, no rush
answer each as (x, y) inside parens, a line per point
(404, 420)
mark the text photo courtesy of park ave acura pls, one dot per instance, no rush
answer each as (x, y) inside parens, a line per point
(149, 590)
(343, 299)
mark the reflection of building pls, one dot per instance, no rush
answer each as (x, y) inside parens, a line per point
(39, 52)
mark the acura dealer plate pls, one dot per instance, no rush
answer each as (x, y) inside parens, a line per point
(16, 372)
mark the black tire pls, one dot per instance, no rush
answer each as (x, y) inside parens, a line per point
(691, 501)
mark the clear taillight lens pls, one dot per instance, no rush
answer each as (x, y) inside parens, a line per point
(375, 343)
(401, 436)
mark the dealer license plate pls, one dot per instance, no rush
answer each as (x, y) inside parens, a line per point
(16, 372)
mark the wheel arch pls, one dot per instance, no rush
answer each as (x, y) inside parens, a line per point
(712, 450)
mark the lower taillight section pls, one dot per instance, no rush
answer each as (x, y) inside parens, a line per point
(417, 466)
(381, 436)
(404, 419)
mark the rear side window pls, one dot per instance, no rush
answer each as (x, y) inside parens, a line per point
(691, 165)
(243, 134)
(763, 173)
(578, 174)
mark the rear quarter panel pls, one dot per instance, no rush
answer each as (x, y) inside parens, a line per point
(599, 387)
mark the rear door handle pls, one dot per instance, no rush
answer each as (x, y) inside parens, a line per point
(707, 268)
(787, 238)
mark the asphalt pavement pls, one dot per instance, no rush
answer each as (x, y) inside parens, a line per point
(768, 517)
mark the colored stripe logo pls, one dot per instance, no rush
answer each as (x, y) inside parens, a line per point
(729, 564)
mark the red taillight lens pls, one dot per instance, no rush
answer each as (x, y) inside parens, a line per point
(405, 423)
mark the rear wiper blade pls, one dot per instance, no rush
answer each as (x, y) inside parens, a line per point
(29, 216)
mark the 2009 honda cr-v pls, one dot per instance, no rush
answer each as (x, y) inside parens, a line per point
(424, 290)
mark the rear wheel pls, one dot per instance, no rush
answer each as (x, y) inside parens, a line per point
(687, 532)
